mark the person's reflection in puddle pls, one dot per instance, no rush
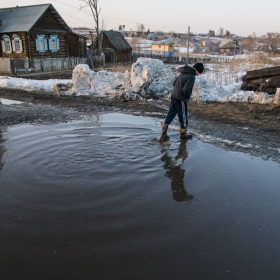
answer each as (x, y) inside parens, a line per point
(1, 150)
(175, 172)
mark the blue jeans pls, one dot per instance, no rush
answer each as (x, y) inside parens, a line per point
(177, 107)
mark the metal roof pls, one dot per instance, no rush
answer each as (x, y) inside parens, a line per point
(117, 39)
(162, 43)
(228, 45)
(17, 19)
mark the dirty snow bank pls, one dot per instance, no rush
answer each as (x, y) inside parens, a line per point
(149, 78)
(209, 90)
(100, 84)
(28, 85)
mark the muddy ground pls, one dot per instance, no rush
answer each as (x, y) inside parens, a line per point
(241, 124)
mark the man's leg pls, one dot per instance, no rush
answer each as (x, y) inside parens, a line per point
(168, 119)
(172, 111)
(183, 119)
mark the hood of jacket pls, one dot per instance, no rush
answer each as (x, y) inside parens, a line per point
(187, 70)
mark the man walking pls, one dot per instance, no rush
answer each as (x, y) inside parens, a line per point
(180, 95)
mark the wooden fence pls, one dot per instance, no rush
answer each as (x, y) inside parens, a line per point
(175, 59)
(14, 66)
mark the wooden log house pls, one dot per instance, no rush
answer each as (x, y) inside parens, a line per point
(38, 32)
(114, 42)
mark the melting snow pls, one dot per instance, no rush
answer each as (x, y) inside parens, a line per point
(148, 78)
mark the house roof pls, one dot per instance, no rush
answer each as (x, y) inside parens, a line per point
(17, 19)
(117, 40)
(162, 43)
(228, 45)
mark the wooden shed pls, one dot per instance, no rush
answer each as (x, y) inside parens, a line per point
(38, 32)
(229, 47)
(114, 41)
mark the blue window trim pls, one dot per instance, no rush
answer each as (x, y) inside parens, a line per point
(53, 37)
(41, 38)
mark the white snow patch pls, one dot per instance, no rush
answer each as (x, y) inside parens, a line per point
(29, 85)
(151, 76)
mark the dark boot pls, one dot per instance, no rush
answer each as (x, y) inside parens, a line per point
(163, 135)
(183, 133)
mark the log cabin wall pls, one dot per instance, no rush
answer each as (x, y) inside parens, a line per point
(21, 54)
(74, 46)
(123, 56)
(63, 46)
(48, 25)
(83, 47)
(77, 46)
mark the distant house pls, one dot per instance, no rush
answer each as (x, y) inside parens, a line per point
(195, 41)
(38, 32)
(210, 45)
(206, 43)
(151, 36)
(229, 47)
(163, 48)
(114, 46)
(229, 36)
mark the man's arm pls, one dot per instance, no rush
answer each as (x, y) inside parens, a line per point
(187, 89)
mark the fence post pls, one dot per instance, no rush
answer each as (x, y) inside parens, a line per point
(12, 66)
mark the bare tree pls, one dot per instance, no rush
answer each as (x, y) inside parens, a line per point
(248, 44)
(141, 27)
(254, 35)
(211, 33)
(273, 39)
(92, 4)
(221, 32)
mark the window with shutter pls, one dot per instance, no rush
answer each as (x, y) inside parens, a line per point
(3, 46)
(6, 44)
(41, 43)
(53, 43)
(17, 44)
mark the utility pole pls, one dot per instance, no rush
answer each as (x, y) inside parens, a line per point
(188, 45)
(234, 48)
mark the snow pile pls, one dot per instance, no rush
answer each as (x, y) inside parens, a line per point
(29, 85)
(81, 79)
(101, 84)
(148, 78)
(151, 77)
(209, 90)
(276, 100)
(252, 97)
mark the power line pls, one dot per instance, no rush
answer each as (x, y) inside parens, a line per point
(11, 3)
(69, 15)
(108, 16)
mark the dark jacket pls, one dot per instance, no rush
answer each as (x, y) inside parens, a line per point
(183, 84)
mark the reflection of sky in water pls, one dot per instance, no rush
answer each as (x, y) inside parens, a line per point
(5, 101)
(106, 199)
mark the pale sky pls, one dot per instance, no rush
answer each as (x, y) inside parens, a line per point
(241, 17)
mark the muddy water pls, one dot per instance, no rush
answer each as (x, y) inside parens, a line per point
(101, 199)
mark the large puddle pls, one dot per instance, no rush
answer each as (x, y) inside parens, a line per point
(101, 199)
